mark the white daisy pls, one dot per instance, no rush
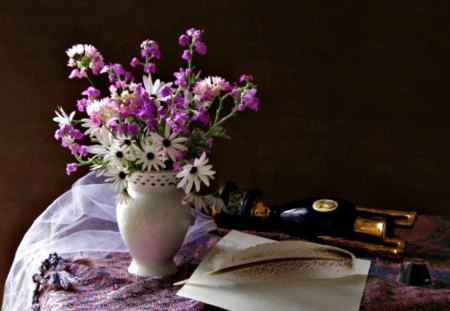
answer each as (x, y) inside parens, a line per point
(195, 200)
(154, 89)
(62, 118)
(117, 176)
(98, 168)
(118, 155)
(194, 174)
(215, 203)
(124, 197)
(93, 129)
(128, 143)
(150, 156)
(104, 137)
(170, 143)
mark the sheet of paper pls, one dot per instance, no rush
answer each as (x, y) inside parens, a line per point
(338, 294)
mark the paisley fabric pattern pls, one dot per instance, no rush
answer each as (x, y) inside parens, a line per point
(105, 284)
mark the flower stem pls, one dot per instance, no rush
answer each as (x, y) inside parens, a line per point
(212, 131)
(219, 109)
(90, 81)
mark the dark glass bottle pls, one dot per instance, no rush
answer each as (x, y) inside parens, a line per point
(309, 218)
(314, 217)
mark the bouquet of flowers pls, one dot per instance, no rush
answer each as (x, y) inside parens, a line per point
(150, 125)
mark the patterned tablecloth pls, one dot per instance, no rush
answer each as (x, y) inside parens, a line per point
(106, 285)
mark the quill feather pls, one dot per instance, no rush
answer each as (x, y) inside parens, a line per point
(277, 261)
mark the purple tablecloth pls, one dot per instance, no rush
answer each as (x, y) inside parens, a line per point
(105, 283)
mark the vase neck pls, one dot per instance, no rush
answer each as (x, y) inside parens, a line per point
(165, 181)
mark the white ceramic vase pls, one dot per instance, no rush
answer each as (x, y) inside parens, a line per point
(154, 223)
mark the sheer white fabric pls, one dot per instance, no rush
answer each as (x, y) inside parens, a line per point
(81, 220)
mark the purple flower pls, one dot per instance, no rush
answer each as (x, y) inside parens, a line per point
(179, 101)
(245, 98)
(112, 122)
(209, 142)
(74, 133)
(128, 76)
(162, 111)
(235, 92)
(83, 151)
(210, 87)
(250, 100)
(131, 128)
(165, 91)
(177, 167)
(182, 77)
(195, 36)
(59, 133)
(183, 40)
(150, 68)
(118, 69)
(91, 92)
(201, 115)
(77, 149)
(74, 148)
(81, 104)
(187, 56)
(146, 112)
(84, 57)
(180, 155)
(116, 72)
(65, 144)
(177, 121)
(149, 49)
(71, 133)
(245, 78)
(71, 167)
(200, 47)
(134, 62)
(75, 73)
(195, 33)
(119, 84)
(241, 107)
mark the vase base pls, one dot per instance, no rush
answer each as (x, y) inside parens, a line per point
(163, 269)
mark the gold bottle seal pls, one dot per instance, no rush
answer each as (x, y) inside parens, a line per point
(325, 205)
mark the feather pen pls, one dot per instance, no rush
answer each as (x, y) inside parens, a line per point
(276, 261)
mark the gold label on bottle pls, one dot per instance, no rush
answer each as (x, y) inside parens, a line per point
(325, 205)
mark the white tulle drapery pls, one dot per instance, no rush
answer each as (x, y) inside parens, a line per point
(81, 220)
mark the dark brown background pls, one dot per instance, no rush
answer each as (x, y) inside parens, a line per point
(354, 95)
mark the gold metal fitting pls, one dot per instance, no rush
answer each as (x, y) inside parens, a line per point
(374, 226)
(401, 218)
(391, 247)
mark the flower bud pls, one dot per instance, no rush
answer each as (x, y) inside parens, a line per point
(187, 56)
(134, 62)
(183, 40)
(200, 47)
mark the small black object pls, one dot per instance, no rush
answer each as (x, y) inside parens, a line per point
(415, 272)
(49, 264)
